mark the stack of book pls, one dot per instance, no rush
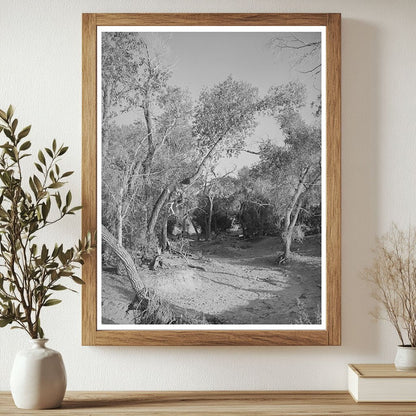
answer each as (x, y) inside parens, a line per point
(381, 383)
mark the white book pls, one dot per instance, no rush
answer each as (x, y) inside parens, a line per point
(381, 383)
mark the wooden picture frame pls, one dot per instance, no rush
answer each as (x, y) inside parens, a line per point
(331, 334)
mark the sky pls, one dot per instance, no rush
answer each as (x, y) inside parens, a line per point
(203, 59)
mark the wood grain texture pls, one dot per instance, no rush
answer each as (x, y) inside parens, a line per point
(89, 173)
(333, 192)
(330, 336)
(265, 403)
(211, 19)
(380, 371)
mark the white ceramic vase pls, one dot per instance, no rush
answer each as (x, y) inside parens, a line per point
(38, 378)
(405, 358)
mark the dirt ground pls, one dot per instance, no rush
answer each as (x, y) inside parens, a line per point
(229, 281)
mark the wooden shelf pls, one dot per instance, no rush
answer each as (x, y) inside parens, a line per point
(212, 403)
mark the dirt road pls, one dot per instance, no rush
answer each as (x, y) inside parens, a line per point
(234, 281)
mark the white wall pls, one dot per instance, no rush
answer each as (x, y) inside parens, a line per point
(40, 73)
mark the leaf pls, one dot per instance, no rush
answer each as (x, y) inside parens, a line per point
(24, 133)
(51, 302)
(10, 112)
(67, 174)
(68, 198)
(8, 133)
(59, 287)
(72, 211)
(49, 152)
(54, 145)
(58, 199)
(56, 185)
(3, 115)
(25, 145)
(44, 253)
(76, 279)
(32, 187)
(14, 125)
(41, 157)
(40, 331)
(63, 150)
(39, 167)
(45, 211)
(37, 183)
(5, 321)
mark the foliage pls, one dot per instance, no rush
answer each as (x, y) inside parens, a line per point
(160, 167)
(32, 274)
(393, 277)
(225, 116)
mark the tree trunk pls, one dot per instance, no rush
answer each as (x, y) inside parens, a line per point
(209, 223)
(163, 198)
(288, 236)
(164, 236)
(195, 226)
(120, 219)
(132, 273)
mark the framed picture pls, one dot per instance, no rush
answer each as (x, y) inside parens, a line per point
(211, 172)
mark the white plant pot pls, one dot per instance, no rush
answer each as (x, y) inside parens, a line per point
(38, 378)
(405, 358)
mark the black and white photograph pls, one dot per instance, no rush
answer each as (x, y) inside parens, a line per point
(211, 177)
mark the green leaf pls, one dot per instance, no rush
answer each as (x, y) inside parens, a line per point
(24, 133)
(10, 112)
(76, 279)
(49, 152)
(8, 133)
(34, 249)
(3, 115)
(56, 185)
(41, 157)
(63, 150)
(14, 125)
(37, 183)
(39, 167)
(75, 209)
(54, 145)
(40, 332)
(44, 253)
(25, 145)
(59, 287)
(32, 187)
(67, 174)
(51, 302)
(68, 198)
(45, 211)
(58, 199)
(5, 321)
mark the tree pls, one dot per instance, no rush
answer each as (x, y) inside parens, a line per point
(295, 167)
(141, 157)
(224, 116)
(303, 48)
(255, 209)
(216, 189)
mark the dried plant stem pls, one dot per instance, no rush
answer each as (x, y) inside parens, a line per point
(393, 275)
